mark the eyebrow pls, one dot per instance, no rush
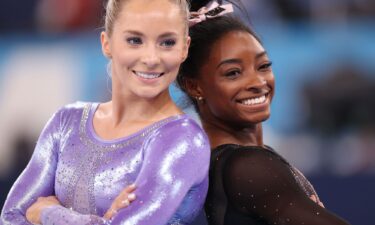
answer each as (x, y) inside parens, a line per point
(166, 34)
(235, 60)
(134, 32)
(261, 54)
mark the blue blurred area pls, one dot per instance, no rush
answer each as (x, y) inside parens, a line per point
(323, 56)
(350, 197)
(306, 53)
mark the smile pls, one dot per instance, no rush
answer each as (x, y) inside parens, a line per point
(254, 101)
(148, 75)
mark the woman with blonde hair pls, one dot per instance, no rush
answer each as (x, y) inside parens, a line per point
(88, 152)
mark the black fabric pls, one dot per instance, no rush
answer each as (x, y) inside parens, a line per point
(255, 185)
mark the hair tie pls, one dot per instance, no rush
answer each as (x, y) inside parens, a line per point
(211, 10)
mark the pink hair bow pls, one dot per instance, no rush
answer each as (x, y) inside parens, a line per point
(211, 10)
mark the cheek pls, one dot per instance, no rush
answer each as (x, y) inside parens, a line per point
(218, 100)
(127, 58)
(271, 83)
(172, 60)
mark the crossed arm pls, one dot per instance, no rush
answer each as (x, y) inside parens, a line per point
(167, 174)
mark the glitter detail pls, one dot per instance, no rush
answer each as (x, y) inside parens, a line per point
(304, 183)
(81, 185)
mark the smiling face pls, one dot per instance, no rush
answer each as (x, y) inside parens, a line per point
(236, 81)
(147, 45)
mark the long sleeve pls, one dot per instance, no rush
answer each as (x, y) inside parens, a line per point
(260, 184)
(38, 177)
(172, 180)
(176, 159)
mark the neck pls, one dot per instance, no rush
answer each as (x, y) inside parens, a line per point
(226, 132)
(125, 109)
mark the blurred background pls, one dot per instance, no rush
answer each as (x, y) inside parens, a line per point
(323, 114)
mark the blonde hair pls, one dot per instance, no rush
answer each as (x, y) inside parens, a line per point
(113, 9)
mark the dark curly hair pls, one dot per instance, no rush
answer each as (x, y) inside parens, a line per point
(203, 36)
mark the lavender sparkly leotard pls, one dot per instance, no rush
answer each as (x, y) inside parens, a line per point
(168, 161)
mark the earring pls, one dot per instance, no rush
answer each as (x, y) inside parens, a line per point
(199, 98)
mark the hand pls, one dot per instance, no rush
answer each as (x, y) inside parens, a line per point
(121, 201)
(33, 213)
(315, 199)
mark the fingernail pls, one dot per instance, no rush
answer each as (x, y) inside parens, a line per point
(132, 185)
(131, 196)
(125, 202)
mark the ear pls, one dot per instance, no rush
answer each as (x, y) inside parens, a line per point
(106, 48)
(186, 48)
(193, 88)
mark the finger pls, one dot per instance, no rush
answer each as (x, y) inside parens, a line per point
(118, 204)
(109, 214)
(40, 198)
(129, 189)
(126, 195)
(121, 203)
(124, 203)
(131, 197)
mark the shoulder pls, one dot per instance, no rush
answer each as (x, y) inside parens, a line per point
(69, 114)
(75, 107)
(181, 131)
(184, 122)
(182, 126)
(233, 154)
(255, 164)
(74, 110)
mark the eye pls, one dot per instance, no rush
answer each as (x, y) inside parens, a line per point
(232, 74)
(134, 41)
(265, 66)
(168, 43)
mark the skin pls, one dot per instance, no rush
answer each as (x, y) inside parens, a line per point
(238, 69)
(148, 37)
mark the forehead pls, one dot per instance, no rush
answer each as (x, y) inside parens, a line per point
(235, 44)
(150, 13)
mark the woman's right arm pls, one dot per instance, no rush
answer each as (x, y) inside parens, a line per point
(37, 179)
(259, 184)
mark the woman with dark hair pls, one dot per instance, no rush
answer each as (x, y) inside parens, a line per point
(228, 77)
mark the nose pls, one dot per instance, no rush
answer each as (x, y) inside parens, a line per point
(255, 82)
(150, 57)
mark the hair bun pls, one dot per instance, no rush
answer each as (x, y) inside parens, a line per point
(195, 5)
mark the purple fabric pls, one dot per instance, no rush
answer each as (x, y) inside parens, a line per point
(168, 161)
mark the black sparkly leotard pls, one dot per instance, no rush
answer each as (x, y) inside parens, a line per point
(255, 185)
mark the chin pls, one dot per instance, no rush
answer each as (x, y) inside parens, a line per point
(258, 119)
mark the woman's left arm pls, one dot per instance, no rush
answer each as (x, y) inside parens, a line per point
(176, 158)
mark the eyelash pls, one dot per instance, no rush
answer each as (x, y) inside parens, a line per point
(168, 43)
(233, 73)
(265, 66)
(134, 41)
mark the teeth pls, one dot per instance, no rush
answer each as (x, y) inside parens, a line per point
(148, 75)
(254, 101)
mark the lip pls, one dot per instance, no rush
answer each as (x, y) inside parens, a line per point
(258, 102)
(148, 76)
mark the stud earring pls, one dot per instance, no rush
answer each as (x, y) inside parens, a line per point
(199, 98)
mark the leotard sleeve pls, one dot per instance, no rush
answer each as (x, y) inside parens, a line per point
(176, 159)
(38, 177)
(258, 183)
